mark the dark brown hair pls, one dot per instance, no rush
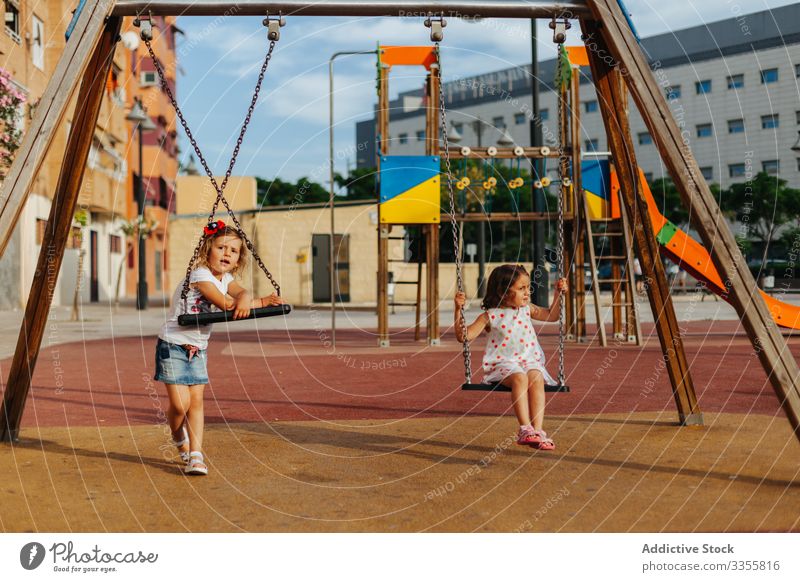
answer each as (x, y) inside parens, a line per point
(500, 281)
(205, 249)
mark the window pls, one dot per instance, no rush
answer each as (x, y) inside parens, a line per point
(735, 81)
(705, 130)
(674, 92)
(736, 126)
(797, 115)
(590, 106)
(591, 145)
(645, 138)
(519, 118)
(421, 135)
(37, 43)
(769, 76)
(648, 177)
(403, 138)
(703, 87)
(12, 20)
(736, 170)
(798, 164)
(544, 114)
(797, 70)
(148, 79)
(771, 167)
(115, 244)
(769, 121)
(708, 173)
(499, 122)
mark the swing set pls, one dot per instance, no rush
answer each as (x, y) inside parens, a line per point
(85, 63)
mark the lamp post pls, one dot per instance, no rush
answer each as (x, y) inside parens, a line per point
(331, 256)
(139, 116)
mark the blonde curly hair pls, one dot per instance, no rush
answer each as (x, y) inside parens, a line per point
(208, 242)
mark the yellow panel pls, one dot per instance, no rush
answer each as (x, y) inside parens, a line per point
(419, 205)
(598, 207)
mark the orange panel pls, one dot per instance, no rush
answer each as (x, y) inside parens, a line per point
(408, 55)
(578, 57)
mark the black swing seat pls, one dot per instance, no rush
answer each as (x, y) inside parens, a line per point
(498, 387)
(222, 316)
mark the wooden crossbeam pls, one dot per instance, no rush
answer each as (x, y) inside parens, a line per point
(49, 114)
(704, 213)
(58, 229)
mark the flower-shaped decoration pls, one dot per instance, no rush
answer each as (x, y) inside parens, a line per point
(213, 227)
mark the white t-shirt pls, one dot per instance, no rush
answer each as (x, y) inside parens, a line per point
(196, 335)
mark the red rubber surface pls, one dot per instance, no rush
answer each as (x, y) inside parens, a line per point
(107, 383)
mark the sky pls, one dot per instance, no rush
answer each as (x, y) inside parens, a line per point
(219, 59)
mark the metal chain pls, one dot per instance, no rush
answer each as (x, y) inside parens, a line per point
(452, 214)
(220, 188)
(562, 171)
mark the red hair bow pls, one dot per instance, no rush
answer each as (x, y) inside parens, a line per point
(213, 227)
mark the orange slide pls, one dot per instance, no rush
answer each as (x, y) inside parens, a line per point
(693, 258)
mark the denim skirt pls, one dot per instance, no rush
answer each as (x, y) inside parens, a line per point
(173, 365)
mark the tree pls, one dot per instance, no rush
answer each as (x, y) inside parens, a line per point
(10, 136)
(81, 219)
(669, 201)
(277, 192)
(360, 184)
(129, 230)
(762, 206)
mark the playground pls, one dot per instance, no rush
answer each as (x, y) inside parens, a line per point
(388, 442)
(665, 420)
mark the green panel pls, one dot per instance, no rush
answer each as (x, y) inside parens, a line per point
(666, 233)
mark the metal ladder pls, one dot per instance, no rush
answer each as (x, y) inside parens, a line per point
(418, 282)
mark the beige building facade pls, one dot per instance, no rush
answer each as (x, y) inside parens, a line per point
(284, 238)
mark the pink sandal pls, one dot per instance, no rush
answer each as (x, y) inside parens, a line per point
(543, 442)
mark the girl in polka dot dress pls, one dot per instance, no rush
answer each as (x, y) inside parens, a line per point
(513, 355)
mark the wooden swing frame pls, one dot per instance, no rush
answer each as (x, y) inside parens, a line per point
(86, 61)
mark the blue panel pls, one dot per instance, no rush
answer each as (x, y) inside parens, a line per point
(596, 178)
(401, 173)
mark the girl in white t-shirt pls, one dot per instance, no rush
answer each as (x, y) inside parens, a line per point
(513, 355)
(181, 351)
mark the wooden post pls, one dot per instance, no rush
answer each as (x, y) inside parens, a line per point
(768, 343)
(609, 96)
(383, 230)
(576, 193)
(50, 112)
(57, 231)
(432, 287)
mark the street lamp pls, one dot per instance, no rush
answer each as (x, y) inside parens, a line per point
(453, 136)
(332, 198)
(505, 140)
(138, 115)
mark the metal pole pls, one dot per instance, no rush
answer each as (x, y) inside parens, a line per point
(540, 275)
(332, 254)
(478, 125)
(403, 8)
(141, 288)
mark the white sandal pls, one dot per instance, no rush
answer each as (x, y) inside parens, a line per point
(184, 455)
(196, 466)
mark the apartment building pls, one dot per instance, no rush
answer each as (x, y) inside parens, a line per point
(30, 46)
(732, 86)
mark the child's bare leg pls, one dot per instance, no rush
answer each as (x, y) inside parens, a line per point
(196, 417)
(176, 413)
(519, 387)
(536, 398)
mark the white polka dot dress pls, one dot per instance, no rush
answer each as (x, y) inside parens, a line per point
(512, 347)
